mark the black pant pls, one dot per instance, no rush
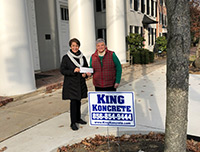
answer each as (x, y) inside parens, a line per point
(105, 89)
(75, 110)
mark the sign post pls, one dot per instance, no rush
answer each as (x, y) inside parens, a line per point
(112, 109)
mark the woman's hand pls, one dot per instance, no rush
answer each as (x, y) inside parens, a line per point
(116, 85)
(83, 75)
(88, 74)
(76, 70)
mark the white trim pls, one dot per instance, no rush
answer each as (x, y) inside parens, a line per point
(33, 34)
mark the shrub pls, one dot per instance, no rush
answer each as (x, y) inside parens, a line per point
(161, 43)
(151, 57)
(145, 56)
(135, 42)
(139, 54)
(136, 57)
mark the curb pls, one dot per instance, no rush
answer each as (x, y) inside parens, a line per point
(46, 89)
(5, 100)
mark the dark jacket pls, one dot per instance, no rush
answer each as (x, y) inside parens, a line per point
(74, 85)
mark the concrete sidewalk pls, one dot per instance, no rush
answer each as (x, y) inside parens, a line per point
(41, 123)
(29, 110)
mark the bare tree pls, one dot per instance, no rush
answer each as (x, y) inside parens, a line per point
(177, 75)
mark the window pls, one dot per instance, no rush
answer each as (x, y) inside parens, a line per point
(104, 4)
(149, 36)
(147, 7)
(131, 29)
(141, 31)
(156, 8)
(136, 5)
(100, 5)
(155, 34)
(143, 6)
(131, 4)
(163, 20)
(160, 18)
(152, 36)
(152, 8)
(102, 33)
(161, 2)
(64, 13)
(137, 29)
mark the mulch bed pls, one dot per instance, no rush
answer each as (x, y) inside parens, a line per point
(153, 142)
(193, 70)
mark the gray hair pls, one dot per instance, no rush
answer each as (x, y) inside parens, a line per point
(100, 40)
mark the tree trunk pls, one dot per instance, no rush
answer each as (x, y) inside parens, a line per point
(198, 50)
(178, 46)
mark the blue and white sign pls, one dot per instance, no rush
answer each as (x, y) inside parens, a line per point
(111, 109)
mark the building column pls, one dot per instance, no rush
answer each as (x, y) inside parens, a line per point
(82, 25)
(115, 26)
(17, 72)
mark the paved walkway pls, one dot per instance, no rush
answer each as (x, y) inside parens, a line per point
(41, 122)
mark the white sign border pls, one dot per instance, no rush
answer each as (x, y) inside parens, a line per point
(114, 92)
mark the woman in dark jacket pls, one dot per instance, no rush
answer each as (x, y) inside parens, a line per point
(74, 86)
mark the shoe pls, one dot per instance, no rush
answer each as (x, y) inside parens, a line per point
(82, 122)
(73, 126)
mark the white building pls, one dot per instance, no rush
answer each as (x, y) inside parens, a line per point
(34, 34)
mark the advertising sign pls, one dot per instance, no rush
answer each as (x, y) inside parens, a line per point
(111, 109)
